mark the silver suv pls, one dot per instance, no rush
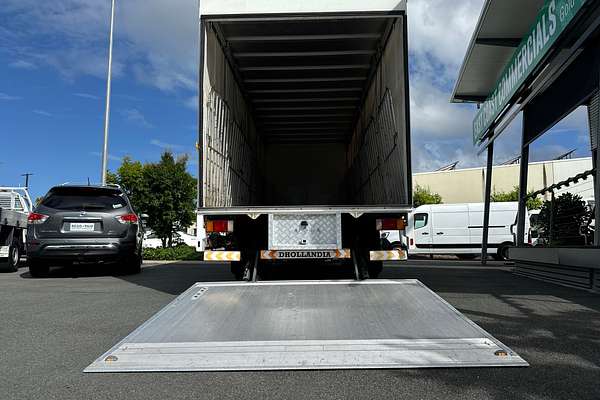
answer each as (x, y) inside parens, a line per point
(84, 224)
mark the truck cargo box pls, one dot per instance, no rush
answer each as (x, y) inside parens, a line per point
(304, 103)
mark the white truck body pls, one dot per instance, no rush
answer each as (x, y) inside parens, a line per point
(304, 127)
(458, 228)
(15, 206)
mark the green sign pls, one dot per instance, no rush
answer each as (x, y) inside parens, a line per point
(551, 21)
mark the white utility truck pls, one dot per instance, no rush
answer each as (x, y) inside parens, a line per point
(458, 229)
(304, 135)
(15, 206)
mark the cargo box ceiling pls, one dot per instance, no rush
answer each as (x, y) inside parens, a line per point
(304, 76)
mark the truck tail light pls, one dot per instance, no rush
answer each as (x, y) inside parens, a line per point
(36, 218)
(390, 224)
(128, 219)
(219, 226)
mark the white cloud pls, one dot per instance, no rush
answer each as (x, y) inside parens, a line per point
(22, 64)
(166, 146)
(43, 113)
(87, 96)
(110, 156)
(135, 116)
(156, 39)
(192, 103)
(7, 97)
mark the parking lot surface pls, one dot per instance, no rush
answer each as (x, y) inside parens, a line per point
(51, 329)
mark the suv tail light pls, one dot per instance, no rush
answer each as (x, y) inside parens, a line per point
(36, 218)
(128, 219)
(219, 226)
(390, 224)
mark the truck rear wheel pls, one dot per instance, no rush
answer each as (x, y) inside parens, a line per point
(375, 268)
(14, 255)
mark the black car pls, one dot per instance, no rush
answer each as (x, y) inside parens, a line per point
(95, 224)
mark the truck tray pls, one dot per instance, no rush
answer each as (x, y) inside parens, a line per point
(306, 325)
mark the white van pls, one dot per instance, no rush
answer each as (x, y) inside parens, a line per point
(458, 229)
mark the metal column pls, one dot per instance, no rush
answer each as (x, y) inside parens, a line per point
(487, 200)
(108, 90)
(523, 175)
(200, 142)
(594, 116)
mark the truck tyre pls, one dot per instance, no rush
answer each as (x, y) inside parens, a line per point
(14, 255)
(237, 269)
(375, 268)
(38, 269)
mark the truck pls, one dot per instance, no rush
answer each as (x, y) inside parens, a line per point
(304, 133)
(15, 206)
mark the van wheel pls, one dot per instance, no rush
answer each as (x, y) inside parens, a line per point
(38, 269)
(502, 254)
(14, 255)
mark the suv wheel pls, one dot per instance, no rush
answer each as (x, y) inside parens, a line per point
(38, 269)
(133, 265)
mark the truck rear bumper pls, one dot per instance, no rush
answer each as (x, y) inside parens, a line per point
(376, 255)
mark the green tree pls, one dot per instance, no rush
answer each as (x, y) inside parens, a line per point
(164, 190)
(171, 195)
(562, 220)
(130, 176)
(533, 203)
(423, 196)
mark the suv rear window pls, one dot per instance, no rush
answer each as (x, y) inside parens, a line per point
(89, 200)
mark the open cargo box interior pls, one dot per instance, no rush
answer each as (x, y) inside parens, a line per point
(305, 111)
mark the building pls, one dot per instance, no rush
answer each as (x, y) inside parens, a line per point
(468, 185)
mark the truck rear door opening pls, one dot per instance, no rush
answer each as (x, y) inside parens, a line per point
(303, 117)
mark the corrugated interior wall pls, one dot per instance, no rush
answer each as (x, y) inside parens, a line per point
(232, 148)
(377, 155)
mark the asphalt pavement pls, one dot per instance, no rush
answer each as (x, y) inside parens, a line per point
(51, 329)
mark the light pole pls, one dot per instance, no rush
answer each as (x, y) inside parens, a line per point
(108, 87)
(27, 175)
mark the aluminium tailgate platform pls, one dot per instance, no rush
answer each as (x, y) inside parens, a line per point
(306, 325)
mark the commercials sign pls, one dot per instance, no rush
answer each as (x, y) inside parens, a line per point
(552, 20)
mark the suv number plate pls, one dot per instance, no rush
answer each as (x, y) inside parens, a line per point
(81, 227)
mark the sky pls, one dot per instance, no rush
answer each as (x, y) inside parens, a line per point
(53, 60)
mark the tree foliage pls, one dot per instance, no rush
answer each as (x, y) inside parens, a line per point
(533, 203)
(563, 220)
(423, 196)
(163, 190)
